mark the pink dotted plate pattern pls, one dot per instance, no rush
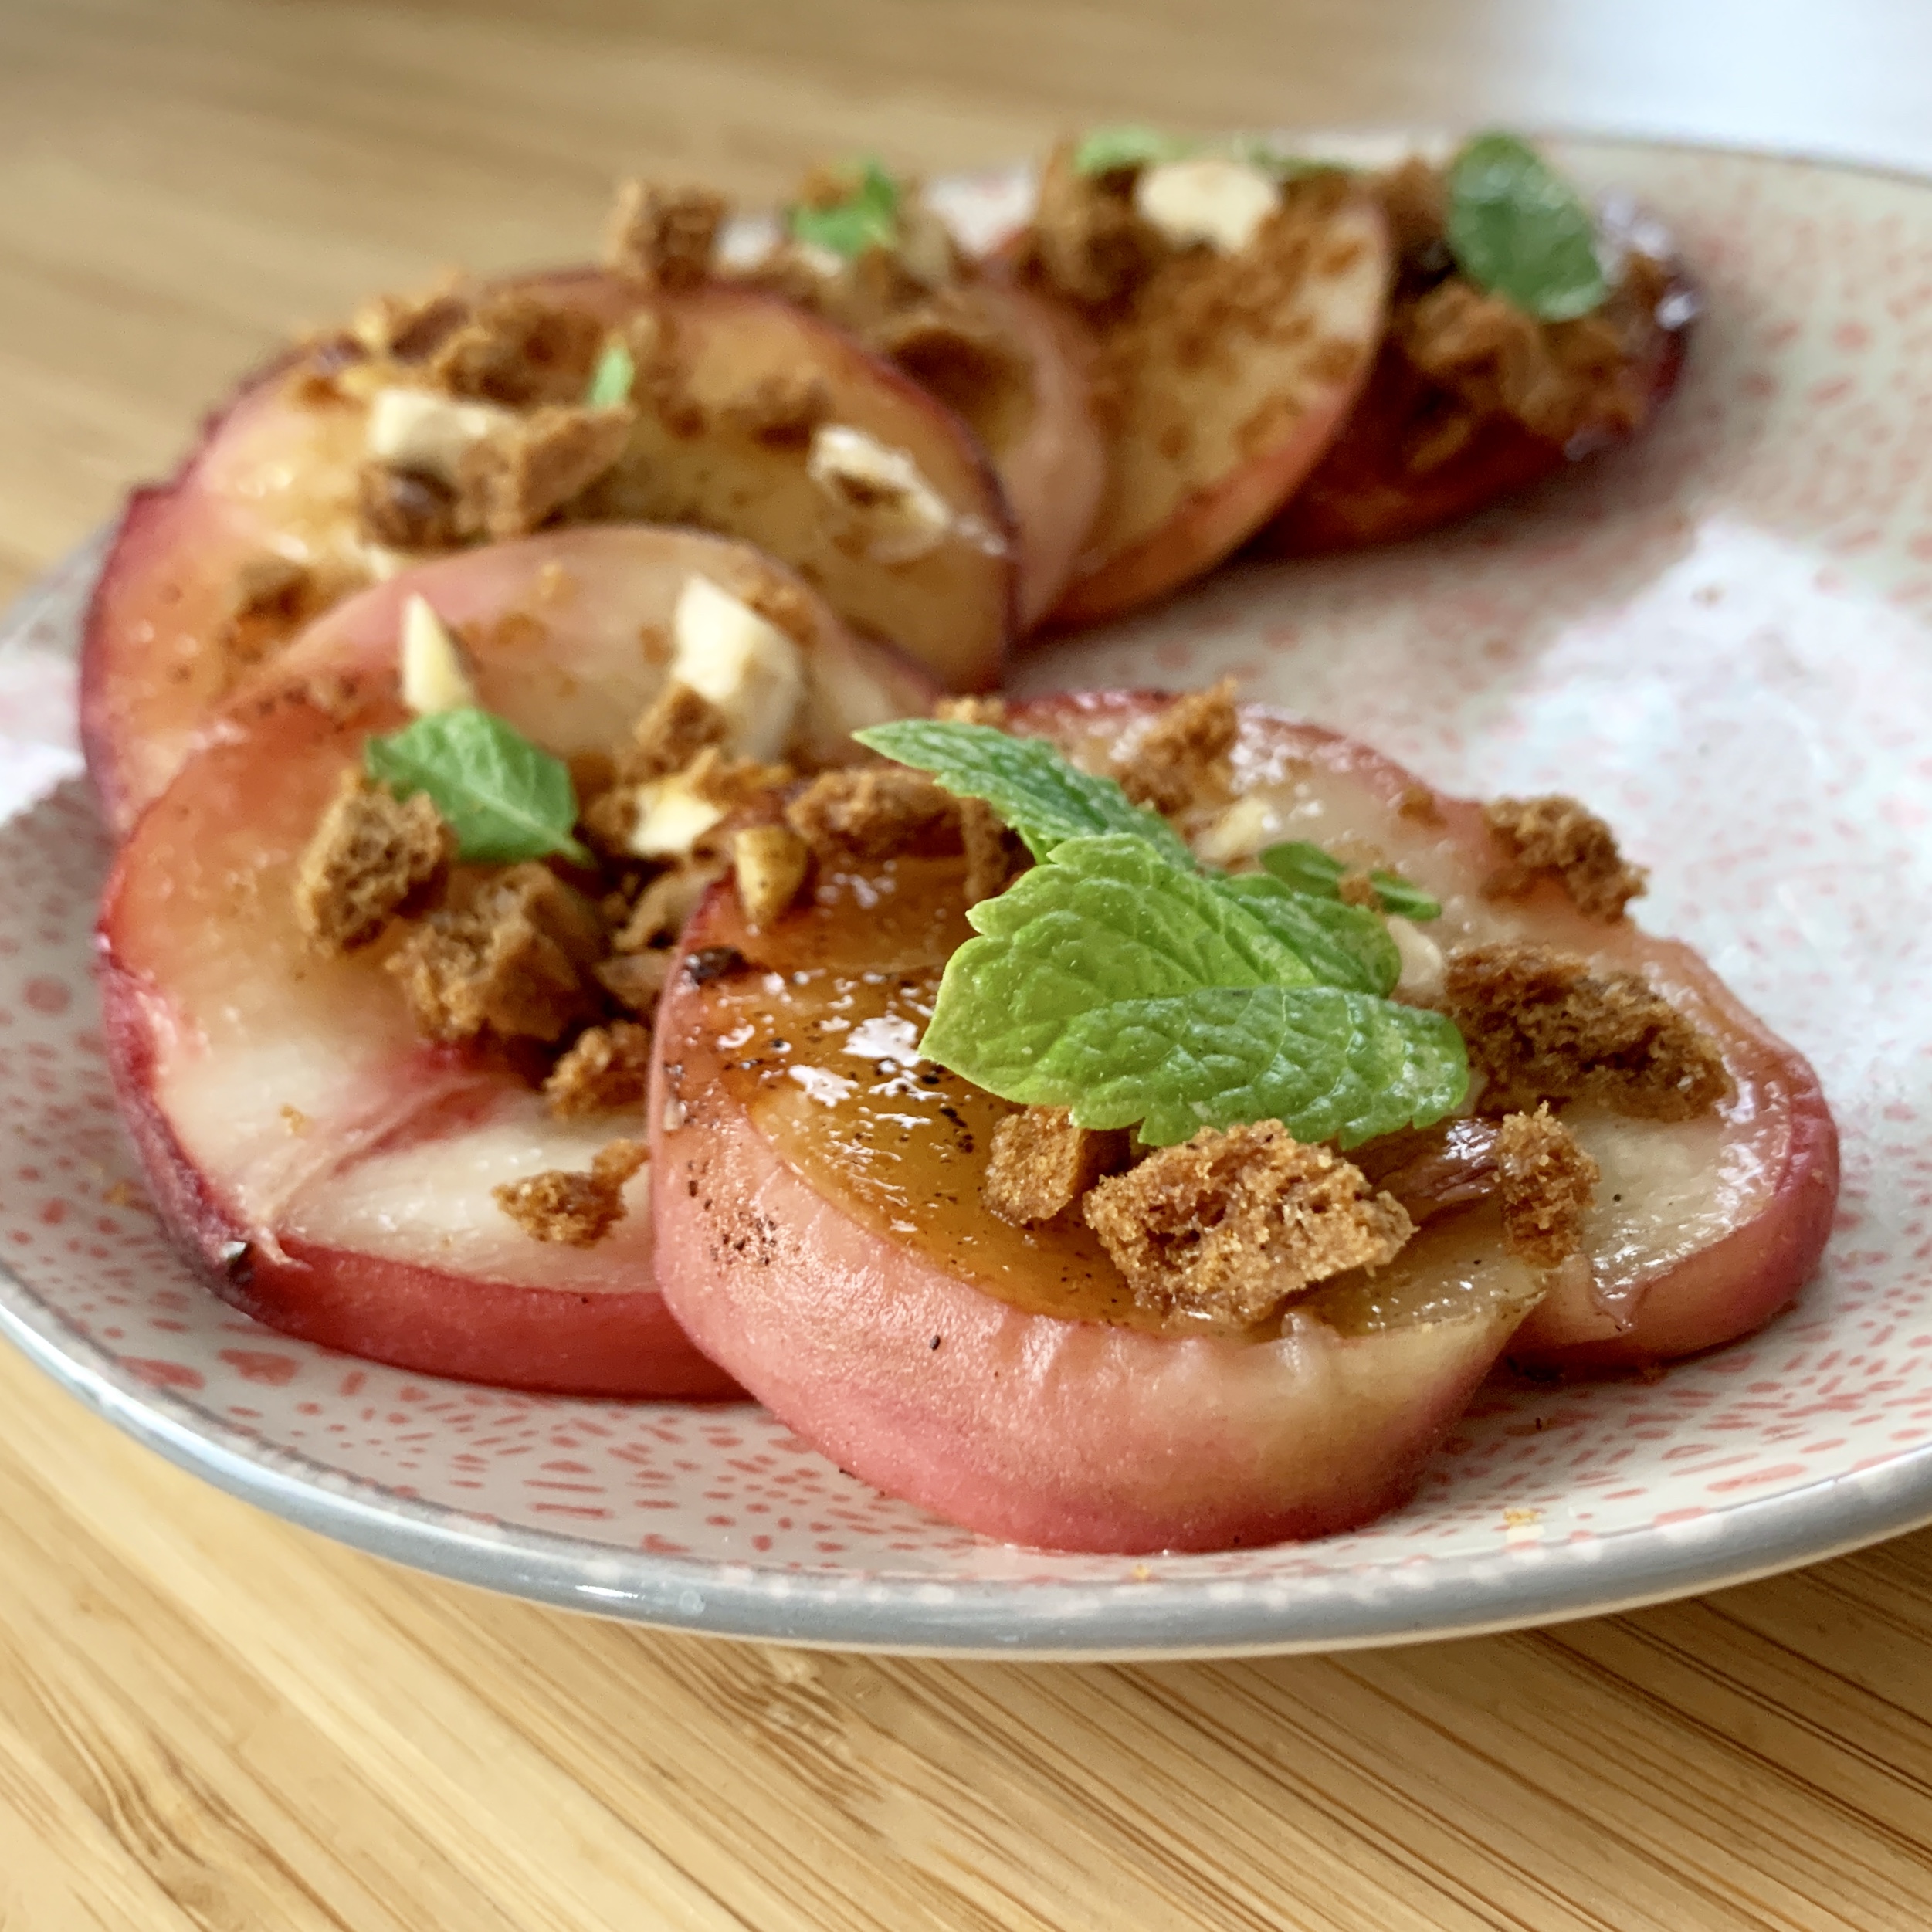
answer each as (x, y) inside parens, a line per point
(1719, 637)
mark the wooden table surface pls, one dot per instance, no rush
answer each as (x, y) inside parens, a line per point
(209, 1719)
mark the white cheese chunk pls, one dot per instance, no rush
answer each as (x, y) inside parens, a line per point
(411, 429)
(1252, 822)
(903, 516)
(671, 818)
(434, 676)
(1207, 198)
(743, 662)
(1422, 976)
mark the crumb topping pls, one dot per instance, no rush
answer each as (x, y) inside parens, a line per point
(405, 509)
(1540, 1024)
(988, 711)
(664, 237)
(580, 1209)
(995, 854)
(862, 816)
(1088, 242)
(514, 956)
(637, 981)
(1555, 837)
(1040, 1164)
(510, 483)
(1181, 760)
(781, 408)
(369, 857)
(517, 348)
(607, 1067)
(1226, 1228)
(665, 905)
(1546, 1182)
(679, 724)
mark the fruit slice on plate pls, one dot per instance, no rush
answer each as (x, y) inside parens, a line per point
(986, 1304)
(869, 252)
(1494, 375)
(474, 415)
(329, 1074)
(1236, 316)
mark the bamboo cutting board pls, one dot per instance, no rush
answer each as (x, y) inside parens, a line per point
(209, 1719)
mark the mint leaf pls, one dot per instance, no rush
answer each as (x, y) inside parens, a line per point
(1100, 151)
(1342, 945)
(1107, 980)
(610, 383)
(1107, 919)
(506, 800)
(1329, 1065)
(1032, 788)
(1308, 868)
(1518, 228)
(867, 218)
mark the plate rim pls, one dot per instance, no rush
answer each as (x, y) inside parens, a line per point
(1042, 1620)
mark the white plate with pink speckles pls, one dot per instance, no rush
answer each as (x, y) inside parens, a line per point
(1722, 637)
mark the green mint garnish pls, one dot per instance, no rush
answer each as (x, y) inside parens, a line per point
(506, 800)
(610, 383)
(1035, 791)
(1518, 228)
(1108, 982)
(1122, 978)
(867, 218)
(1308, 868)
(1100, 151)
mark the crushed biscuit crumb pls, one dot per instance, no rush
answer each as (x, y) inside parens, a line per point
(607, 1067)
(581, 1209)
(679, 724)
(1546, 1182)
(858, 817)
(995, 854)
(1540, 1024)
(404, 509)
(1357, 889)
(781, 408)
(770, 863)
(510, 484)
(406, 328)
(519, 348)
(512, 957)
(1555, 836)
(371, 854)
(1087, 241)
(989, 711)
(664, 237)
(1181, 759)
(1040, 1164)
(1223, 1229)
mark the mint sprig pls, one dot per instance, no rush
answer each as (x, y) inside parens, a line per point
(1123, 979)
(1308, 868)
(1516, 228)
(867, 218)
(1035, 791)
(505, 799)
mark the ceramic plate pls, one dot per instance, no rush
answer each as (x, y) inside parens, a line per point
(1719, 637)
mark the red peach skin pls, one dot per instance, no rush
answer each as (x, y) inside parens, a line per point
(327, 1171)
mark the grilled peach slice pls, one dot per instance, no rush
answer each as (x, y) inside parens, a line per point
(1412, 457)
(818, 1217)
(212, 572)
(1225, 382)
(329, 1171)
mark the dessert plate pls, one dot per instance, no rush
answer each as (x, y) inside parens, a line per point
(1721, 637)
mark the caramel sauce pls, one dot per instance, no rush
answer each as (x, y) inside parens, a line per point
(815, 1035)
